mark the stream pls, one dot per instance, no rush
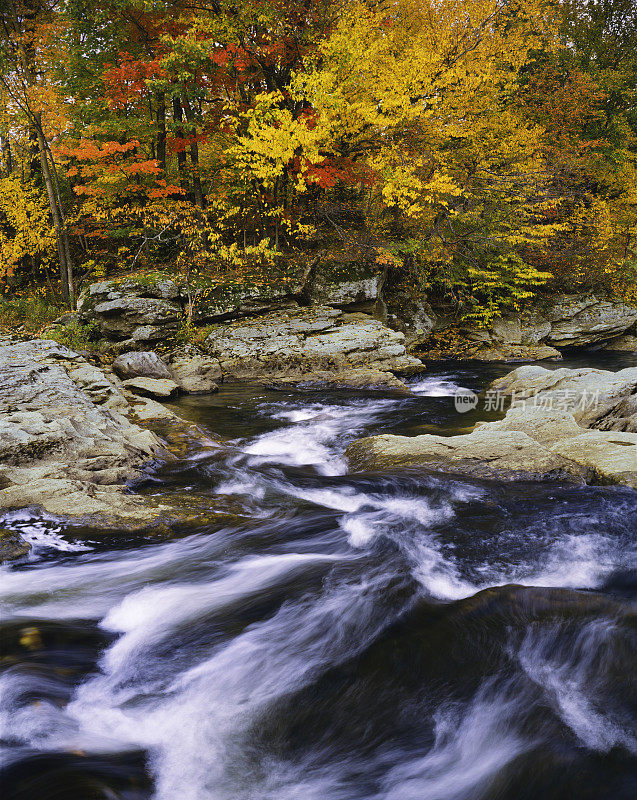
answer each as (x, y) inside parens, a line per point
(399, 636)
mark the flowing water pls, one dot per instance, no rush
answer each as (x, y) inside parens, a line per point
(395, 636)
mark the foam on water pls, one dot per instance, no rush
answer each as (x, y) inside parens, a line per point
(435, 387)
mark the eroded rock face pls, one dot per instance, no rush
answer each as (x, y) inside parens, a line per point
(302, 342)
(585, 321)
(597, 398)
(568, 424)
(343, 284)
(540, 333)
(624, 344)
(66, 441)
(570, 321)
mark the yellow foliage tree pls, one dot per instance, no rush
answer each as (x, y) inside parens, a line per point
(25, 229)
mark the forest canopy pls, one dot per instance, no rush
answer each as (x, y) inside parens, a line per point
(481, 149)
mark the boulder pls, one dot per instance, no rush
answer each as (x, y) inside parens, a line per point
(194, 371)
(300, 343)
(140, 365)
(120, 318)
(162, 388)
(140, 309)
(483, 454)
(67, 443)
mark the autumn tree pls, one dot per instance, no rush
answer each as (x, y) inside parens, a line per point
(28, 48)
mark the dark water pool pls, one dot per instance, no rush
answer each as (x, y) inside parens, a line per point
(396, 636)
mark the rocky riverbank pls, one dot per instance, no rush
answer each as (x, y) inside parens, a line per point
(73, 437)
(331, 320)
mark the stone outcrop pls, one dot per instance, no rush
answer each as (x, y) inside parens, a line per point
(68, 441)
(623, 344)
(303, 343)
(596, 398)
(567, 424)
(140, 313)
(137, 311)
(567, 321)
(343, 284)
(578, 322)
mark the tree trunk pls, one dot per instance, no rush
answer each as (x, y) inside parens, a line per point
(5, 153)
(64, 254)
(194, 154)
(178, 117)
(161, 130)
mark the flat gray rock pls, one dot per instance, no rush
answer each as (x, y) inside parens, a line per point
(152, 387)
(483, 454)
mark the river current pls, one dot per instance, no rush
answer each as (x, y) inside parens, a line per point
(399, 636)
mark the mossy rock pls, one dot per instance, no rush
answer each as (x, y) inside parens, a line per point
(12, 545)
